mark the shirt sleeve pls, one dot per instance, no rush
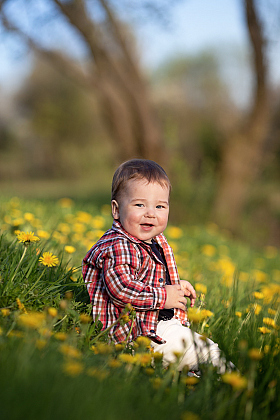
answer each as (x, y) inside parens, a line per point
(121, 267)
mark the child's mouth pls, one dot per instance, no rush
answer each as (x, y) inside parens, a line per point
(146, 225)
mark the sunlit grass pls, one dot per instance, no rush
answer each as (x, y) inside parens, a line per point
(55, 360)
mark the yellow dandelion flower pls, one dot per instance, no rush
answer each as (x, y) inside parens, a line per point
(208, 250)
(127, 358)
(266, 349)
(255, 354)
(234, 379)
(40, 343)
(69, 249)
(195, 315)
(143, 341)
(27, 238)
(157, 356)
(70, 351)
(264, 330)
(271, 311)
(174, 232)
(270, 322)
(114, 363)
(43, 234)
(85, 318)
(156, 382)
(32, 320)
(98, 222)
(258, 295)
(73, 368)
(29, 217)
(21, 306)
(49, 259)
(5, 312)
(190, 380)
(52, 312)
(260, 276)
(238, 314)
(65, 202)
(199, 287)
(61, 336)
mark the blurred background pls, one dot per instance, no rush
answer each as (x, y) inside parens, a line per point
(191, 84)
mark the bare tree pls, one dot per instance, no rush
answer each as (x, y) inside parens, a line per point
(243, 152)
(114, 73)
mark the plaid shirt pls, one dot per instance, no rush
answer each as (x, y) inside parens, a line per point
(121, 269)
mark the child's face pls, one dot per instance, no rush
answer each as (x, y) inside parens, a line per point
(143, 209)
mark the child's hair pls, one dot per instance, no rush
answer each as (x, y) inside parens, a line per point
(138, 169)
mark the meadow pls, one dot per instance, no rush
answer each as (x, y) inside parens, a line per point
(54, 361)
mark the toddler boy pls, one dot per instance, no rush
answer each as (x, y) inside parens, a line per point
(133, 263)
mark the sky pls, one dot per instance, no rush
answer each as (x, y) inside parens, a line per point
(195, 25)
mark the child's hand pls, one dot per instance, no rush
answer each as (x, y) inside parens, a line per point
(175, 297)
(188, 291)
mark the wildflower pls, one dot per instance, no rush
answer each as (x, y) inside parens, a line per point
(190, 380)
(195, 315)
(114, 363)
(21, 306)
(208, 250)
(258, 295)
(84, 217)
(52, 312)
(255, 354)
(65, 202)
(238, 314)
(73, 368)
(27, 238)
(49, 259)
(102, 348)
(43, 234)
(69, 249)
(98, 222)
(199, 287)
(29, 217)
(33, 320)
(5, 311)
(264, 330)
(70, 351)
(270, 322)
(85, 318)
(127, 358)
(271, 311)
(149, 371)
(234, 379)
(174, 232)
(143, 341)
(61, 336)
(260, 276)
(157, 356)
(41, 343)
(156, 382)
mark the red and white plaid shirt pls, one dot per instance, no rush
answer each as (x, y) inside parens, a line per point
(120, 269)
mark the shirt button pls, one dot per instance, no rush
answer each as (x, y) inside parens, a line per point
(152, 331)
(161, 280)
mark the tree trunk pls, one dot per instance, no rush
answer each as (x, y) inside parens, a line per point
(243, 153)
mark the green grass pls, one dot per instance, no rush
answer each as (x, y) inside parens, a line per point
(55, 366)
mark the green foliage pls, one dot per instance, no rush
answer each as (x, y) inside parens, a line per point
(56, 362)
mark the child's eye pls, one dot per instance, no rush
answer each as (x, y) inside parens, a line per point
(139, 205)
(160, 206)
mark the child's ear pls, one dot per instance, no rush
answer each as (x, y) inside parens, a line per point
(115, 209)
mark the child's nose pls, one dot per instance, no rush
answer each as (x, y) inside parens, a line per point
(150, 212)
